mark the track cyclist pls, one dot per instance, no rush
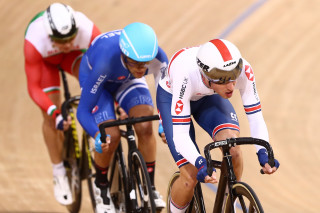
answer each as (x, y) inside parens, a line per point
(113, 69)
(55, 37)
(199, 81)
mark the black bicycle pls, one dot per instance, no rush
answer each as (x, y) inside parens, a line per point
(77, 158)
(230, 191)
(130, 185)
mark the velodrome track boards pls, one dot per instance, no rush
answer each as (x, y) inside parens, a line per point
(279, 38)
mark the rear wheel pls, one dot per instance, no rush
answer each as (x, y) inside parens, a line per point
(142, 189)
(244, 200)
(71, 158)
(195, 205)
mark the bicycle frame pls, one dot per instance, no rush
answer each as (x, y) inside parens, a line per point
(129, 135)
(227, 176)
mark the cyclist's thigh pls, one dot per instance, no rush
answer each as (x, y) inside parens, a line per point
(164, 100)
(214, 113)
(104, 111)
(133, 93)
(70, 61)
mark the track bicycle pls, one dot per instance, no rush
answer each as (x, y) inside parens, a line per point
(77, 157)
(230, 192)
(129, 180)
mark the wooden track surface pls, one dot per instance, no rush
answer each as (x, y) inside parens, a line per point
(281, 41)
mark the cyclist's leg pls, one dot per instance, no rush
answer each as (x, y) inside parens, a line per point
(50, 83)
(217, 116)
(134, 97)
(183, 188)
(236, 153)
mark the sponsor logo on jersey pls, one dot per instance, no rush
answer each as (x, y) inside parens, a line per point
(168, 84)
(202, 65)
(249, 73)
(97, 84)
(183, 87)
(179, 107)
(255, 91)
(121, 77)
(95, 109)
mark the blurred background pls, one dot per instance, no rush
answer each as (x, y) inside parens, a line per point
(280, 39)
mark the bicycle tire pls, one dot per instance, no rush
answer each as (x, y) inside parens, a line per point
(72, 165)
(250, 202)
(141, 184)
(91, 171)
(118, 180)
(195, 203)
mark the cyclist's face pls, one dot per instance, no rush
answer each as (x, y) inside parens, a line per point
(224, 90)
(137, 69)
(65, 46)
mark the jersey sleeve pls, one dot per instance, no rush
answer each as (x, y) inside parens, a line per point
(33, 66)
(181, 111)
(252, 105)
(158, 66)
(95, 33)
(91, 91)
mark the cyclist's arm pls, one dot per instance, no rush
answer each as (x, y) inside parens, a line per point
(90, 94)
(158, 66)
(181, 118)
(33, 69)
(252, 105)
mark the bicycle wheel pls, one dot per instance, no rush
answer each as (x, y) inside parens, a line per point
(90, 171)
(142, 191)
(71, 158)
(196, 204)
(245, 197)
(118, 181)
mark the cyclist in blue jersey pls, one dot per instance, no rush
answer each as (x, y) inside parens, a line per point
(113, 69)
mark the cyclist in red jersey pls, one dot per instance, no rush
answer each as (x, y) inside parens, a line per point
(55, 37)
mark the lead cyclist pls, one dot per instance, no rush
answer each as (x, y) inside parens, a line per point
(198, 82)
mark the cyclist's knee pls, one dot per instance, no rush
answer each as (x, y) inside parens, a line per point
(236, 152)
(188, 176)
(144, 129)
(226, 133)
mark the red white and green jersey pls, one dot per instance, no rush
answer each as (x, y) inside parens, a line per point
(42, 58)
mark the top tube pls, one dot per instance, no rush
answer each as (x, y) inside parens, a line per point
(127, 121)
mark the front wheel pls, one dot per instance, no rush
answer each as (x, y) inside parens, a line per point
(196, 204)
(244, 200)
(142, 190)
(71, 158)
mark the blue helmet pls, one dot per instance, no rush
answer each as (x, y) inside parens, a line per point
(139, 42)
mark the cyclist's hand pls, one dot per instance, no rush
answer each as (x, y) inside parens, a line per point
(161, 133)
(99, 146)
(62, 124)
(263, 160)
(202, 175)
(122, 114)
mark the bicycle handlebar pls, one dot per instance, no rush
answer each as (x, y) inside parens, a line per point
(231, 142)
(66, 105)
(127, 121)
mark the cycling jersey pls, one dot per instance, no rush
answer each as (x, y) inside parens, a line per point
(104, 78)
(183, 94)
(42, 58)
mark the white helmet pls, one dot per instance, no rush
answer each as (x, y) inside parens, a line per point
(220, 61)
(59, 21)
